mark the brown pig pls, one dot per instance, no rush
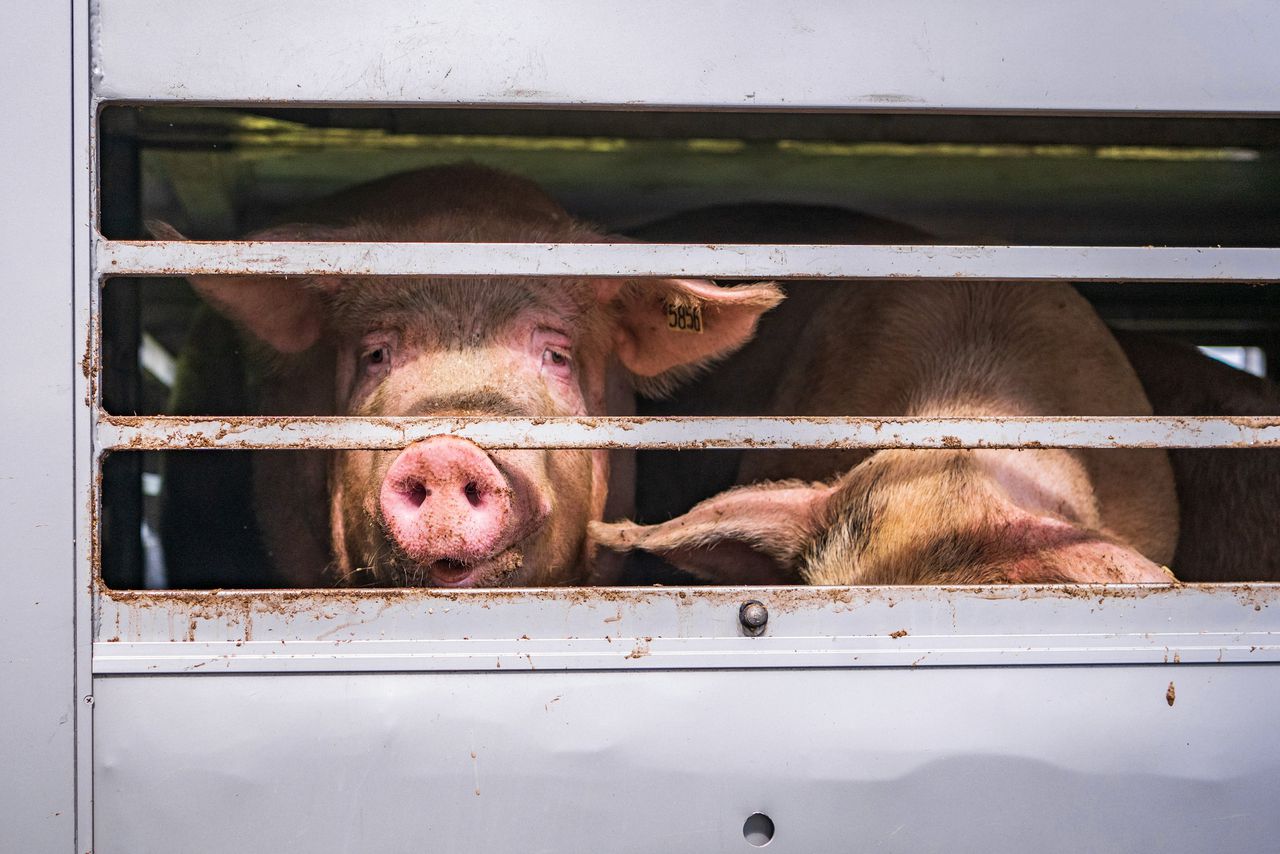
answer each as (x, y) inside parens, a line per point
(444, 512)
(926, 516)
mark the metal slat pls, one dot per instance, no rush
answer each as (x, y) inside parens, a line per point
(172, 433)
(745, 261)
(439, 629)
(940, 650)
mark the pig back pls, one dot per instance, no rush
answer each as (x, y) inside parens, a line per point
(1227, 496)
(963, 349)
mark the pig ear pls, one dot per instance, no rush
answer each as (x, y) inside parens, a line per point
(750, 535)
(286, 312)
(669, 328)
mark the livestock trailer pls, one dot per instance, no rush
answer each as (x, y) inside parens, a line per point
(1131, 147)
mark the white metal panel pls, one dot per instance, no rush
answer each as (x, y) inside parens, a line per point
(741, 261)
(1070, 55)
(85, 345)
(1047, 759)
(39, 712)
(871, 736)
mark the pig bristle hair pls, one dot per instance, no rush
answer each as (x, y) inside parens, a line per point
(665, 384)
(849, 525)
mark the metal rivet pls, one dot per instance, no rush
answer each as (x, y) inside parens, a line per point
(753, 615)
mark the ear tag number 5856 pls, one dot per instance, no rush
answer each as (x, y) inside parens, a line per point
(683, 318)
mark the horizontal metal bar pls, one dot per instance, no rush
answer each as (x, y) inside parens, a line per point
(175, 433)
(745, 261)
(677, 653)
(683, 628)
(981, 55)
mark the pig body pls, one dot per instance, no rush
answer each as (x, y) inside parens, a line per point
(442, 511)
(1226, 497)
(921, 516)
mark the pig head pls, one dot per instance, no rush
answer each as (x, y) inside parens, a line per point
(442, 511)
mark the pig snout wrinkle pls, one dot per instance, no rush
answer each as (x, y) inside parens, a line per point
(443, 498)
(485, 402)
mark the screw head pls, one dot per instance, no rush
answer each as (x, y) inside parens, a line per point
(753, 615)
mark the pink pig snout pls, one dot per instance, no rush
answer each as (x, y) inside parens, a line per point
(444, 499)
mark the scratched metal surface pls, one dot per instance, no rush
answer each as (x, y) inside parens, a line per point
(1142, 55)
(746, 261)
(41, 718)
(1171, 758)
(139, 433)
(635, 629)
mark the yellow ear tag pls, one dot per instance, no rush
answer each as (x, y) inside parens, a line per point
(683, 317)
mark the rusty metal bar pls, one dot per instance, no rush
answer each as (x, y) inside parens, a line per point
(172, 433)
(745, 261)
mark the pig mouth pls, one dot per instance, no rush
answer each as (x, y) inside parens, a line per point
(403, 571)
(450, 573)
(447, 572)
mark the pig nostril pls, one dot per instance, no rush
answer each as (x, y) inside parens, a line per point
(472, 491)
(416, 493)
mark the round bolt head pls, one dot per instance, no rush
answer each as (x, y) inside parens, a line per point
(753, 615)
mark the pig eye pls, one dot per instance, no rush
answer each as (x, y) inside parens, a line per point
(556, 361)
(377, 359)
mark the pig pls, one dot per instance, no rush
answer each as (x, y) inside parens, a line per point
(444, 512)
(938, 349)
(1226, 497)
